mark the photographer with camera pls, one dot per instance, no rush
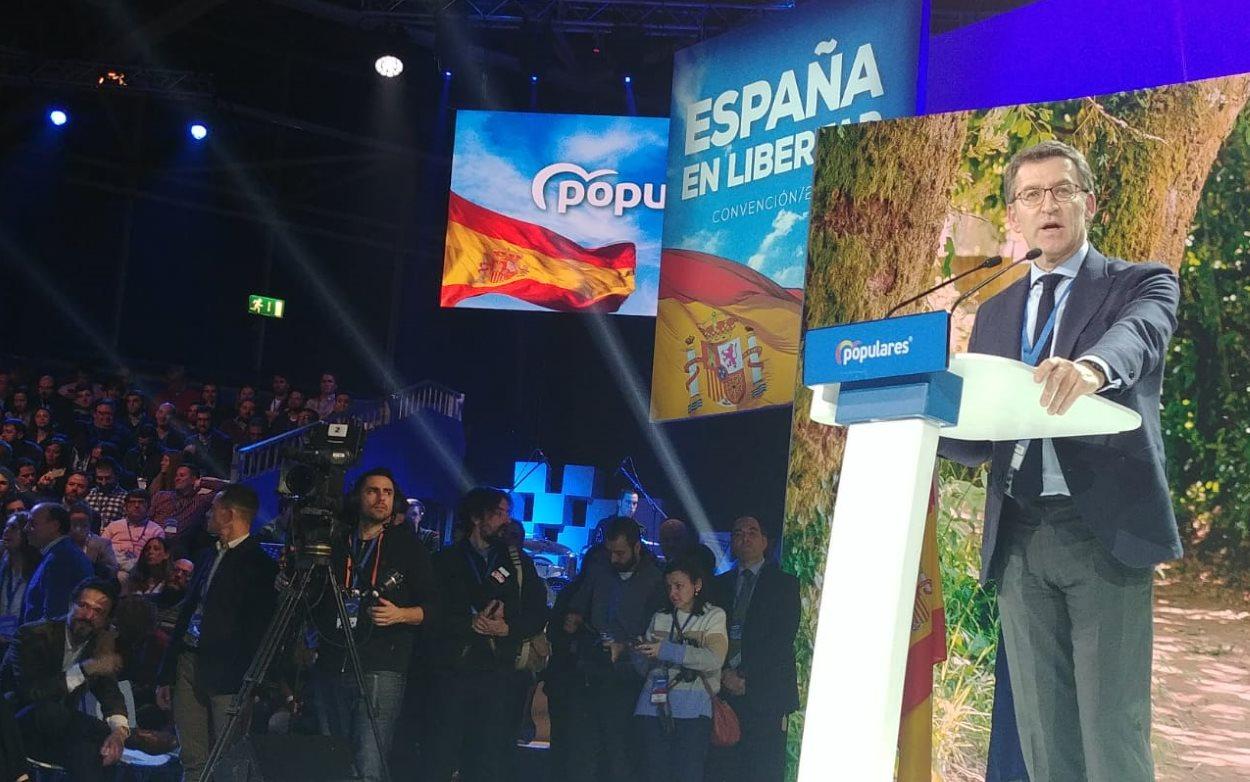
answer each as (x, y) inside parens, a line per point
(389, 591)
(493, 601)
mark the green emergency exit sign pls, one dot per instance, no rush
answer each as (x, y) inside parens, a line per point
(265, 306)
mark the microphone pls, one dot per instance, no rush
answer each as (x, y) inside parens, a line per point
(988, 263)
(1036, 252)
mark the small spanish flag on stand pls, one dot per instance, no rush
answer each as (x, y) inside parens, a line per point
(927, 649)
(487, 252)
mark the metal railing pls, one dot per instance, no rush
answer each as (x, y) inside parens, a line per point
(259, 458)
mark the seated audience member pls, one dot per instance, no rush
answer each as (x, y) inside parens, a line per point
(98, 550)
(130, 534)
(42, 428)
(54, 470)
(134, 412)
(19, 407)
(341, 412)
(62, 567)
(759, 680)
(168, 435)
(25, 473)
(228, 607)
(257, 430)
(107, 497)
(13, 433)
(8, 484)
(236, 428)
(144, 459)
(169, 463)
(211, 448)
(142, 645)
(679, 541)
(681, 656)
(187, 504)
(289, 417)
(50, 665)
(169, 600)
(152, 570)
(323, 403)
(17, 565)
(280, 390)
(17, 503)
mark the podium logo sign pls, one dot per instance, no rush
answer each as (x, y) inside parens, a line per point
(850, 351)
(871, 350)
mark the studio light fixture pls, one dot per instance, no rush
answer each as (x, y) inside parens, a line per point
(199, 131)
(389, 66)
(58, 117)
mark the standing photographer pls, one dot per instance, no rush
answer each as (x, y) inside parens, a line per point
(389, 591)
(493, 602)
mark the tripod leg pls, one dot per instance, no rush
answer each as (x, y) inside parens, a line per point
(272, 641)
(353, 658)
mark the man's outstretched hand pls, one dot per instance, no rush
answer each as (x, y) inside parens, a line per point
(1066, 381)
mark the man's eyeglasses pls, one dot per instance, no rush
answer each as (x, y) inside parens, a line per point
(1064, 194)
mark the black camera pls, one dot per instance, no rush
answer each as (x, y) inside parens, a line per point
(312, 480)
(372, 596)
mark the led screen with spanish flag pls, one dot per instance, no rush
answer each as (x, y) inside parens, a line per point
(556, 213)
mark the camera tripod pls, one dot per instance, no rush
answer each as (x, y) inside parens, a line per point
(293, 596)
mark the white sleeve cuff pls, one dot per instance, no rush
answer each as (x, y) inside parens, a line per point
(1112, 380)
(74, 677)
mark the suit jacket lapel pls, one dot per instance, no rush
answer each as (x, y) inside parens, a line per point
(1006, 342)
(1087, 294)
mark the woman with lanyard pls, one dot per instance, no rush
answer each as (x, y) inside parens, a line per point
(16, 567)
(682, 657)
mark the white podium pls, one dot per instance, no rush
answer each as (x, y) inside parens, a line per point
(855, 693)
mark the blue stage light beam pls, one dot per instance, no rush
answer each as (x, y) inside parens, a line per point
(58, 117)
(325, 295)
(609, 342)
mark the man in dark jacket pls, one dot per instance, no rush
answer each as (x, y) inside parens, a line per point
(51, 665)
(383, 556)
(227, 609)
(759, 681)
(492, 602)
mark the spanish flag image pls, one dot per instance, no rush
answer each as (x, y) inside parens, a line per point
(726, 338)
(926, 648)
(488, 252)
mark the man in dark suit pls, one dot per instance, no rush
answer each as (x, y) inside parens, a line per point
(759, 681)
(1074, 526)
(227, 609)
(63, 565)
(50, 667)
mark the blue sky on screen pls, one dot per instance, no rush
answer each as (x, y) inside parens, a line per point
(498, 154)
(773, 239)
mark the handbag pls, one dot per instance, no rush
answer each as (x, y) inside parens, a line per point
(726, 731)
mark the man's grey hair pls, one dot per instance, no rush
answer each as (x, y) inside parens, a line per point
(1045, 151)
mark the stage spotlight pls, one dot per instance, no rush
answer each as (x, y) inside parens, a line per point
(58, 117)
(446, 74)
(533, 78)
(629, 79)
(389, 66)
(199, 131)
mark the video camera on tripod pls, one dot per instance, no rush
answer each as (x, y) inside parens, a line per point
(313, 478)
